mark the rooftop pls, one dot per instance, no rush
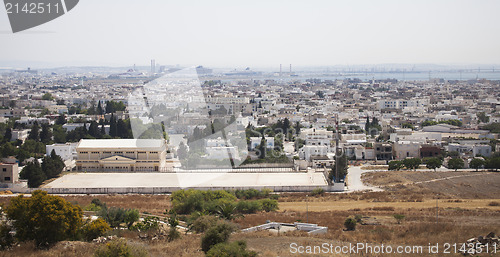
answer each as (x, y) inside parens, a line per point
(121, 143)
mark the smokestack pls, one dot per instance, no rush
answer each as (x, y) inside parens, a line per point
(290, 69)
(152, 66)
(280, 70)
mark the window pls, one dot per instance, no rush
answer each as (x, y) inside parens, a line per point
(6, 179)
(4, 169)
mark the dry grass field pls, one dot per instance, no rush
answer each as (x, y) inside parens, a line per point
(468, 206)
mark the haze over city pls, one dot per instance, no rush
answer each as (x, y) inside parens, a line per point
(259, 34)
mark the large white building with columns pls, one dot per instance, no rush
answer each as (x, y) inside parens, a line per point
(121, 155)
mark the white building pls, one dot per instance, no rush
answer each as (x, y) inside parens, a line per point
(65, 151)
(21, 134)
(406, 149)
(121, 155)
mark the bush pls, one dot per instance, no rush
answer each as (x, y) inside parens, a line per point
(395, 165)
(202, 223)
(131, 216)
(249, 206)
(98, 202)
(44, 218)
(318, 191)
(252, 193)
(217, 234)
(494, 203)
(188, 201)
(95, 229)
(115, 216)
(350, 224)
(6, 238)
(149, 223)
(237, 248)
(358, 218)
(269, 205)
(120, 248)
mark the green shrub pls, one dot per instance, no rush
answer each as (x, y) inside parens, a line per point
(202, 223)
(269, 205)
(149, 223)
(237, 248)
(6, 238)
(120, 248)
(95, 229)
(252, 193)
(249, 206)
(217, 234)
(131, 216)
(318, 191)
(350, 224)
(98, 202)
(358, 218)
(188, 201)
(115, 216)
(92, 207)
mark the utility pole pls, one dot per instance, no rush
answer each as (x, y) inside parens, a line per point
(337, 148)
(437, 211)
(307, 208)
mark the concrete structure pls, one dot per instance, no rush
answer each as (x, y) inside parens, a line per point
(20, 134)
(406, 149)
(150, 183)
(9, 173)
(255, 142)
(121, 155)
(65, 151)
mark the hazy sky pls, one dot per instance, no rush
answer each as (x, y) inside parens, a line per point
(261, 33)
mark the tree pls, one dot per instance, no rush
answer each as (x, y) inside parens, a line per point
(33, 173)
(8, 135)
(99, 108)
(481, 116)
(412, 163)
(217, 234)
(433, 163)
(342, 167)
(44, 218)
(94, 129)
(493, 163)
(47, 96)
(350, 224)
(52, 165)
(456, 163)
(46, 134)
(112, 126)
(395, 165)
(34, 133)
(477, 163)
(262, 148)
(131, 216)
(59, 134)
(61, 120)
(8, 149)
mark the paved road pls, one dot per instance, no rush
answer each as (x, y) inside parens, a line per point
(354, 182)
